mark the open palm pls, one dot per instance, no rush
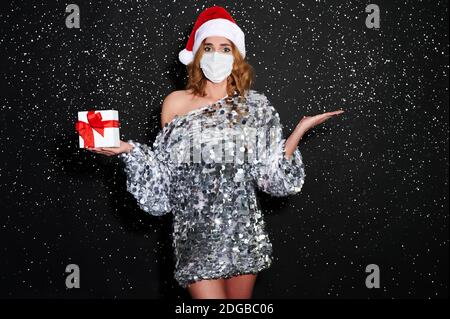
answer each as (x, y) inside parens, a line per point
(308, 122)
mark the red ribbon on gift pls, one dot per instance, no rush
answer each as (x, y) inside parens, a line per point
(95, 122)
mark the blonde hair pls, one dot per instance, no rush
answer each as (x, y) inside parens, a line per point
(240, 79)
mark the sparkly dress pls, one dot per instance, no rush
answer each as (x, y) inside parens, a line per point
(204, 168)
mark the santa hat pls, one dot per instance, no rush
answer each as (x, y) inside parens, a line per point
(213, 21)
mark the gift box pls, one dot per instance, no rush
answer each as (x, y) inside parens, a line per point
(98, 128)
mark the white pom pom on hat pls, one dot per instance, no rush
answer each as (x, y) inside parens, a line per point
(213, 21)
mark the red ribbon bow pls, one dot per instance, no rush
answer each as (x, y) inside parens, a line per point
(86, 130)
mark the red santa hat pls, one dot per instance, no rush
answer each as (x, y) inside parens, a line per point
(213, 21)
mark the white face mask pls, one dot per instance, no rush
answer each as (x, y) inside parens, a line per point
(216, 66)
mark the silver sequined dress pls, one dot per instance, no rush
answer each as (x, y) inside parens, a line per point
(193, 172)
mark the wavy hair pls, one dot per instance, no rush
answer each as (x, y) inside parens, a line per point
(241, 78)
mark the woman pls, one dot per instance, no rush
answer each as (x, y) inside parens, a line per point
(219, 237)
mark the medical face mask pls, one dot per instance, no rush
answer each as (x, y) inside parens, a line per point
(216, 66)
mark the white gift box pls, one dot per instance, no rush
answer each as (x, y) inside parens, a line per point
(98, 127)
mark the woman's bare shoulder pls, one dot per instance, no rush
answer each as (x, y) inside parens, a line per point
(172, 104)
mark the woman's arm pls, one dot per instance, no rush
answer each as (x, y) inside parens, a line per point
(305, 124)
(148, 169)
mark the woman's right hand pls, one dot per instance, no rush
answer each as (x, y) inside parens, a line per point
(109, 151)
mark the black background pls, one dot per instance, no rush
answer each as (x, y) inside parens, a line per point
(376, 189)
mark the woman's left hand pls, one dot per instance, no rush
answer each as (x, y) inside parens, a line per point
(308, 122)
(305, 124)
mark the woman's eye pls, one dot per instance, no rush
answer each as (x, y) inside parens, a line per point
(210, 49)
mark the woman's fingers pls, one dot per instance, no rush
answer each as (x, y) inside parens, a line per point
(330, 114)
(309, 122)
(101, 150)
(325, 116)
(106, 151)
(336, 112)
(110, 150)
(320, 118)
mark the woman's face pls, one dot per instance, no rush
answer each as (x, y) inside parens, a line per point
(218, 44)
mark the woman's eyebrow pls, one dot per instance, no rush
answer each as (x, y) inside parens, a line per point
(222, 44)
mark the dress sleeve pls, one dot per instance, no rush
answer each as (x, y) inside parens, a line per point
(272, 172)
(149, 174)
